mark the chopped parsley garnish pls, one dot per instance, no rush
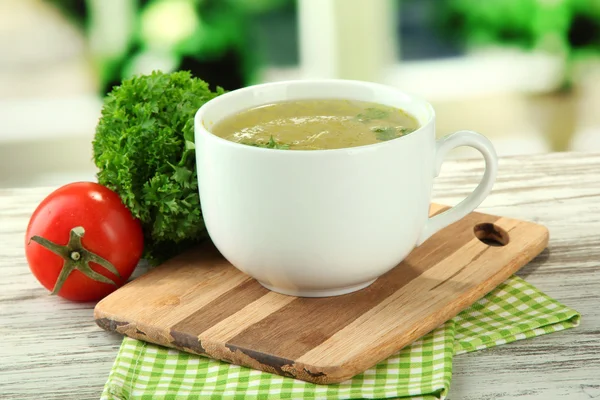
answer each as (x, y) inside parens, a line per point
(384, 133)
(272, 144)
(371, 114)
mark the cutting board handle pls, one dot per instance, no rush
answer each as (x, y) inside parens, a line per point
(462, 209)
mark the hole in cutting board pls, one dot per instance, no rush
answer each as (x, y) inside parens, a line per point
(491, 234)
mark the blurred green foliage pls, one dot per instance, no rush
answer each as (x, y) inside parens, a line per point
(569, 28)
(214, 40)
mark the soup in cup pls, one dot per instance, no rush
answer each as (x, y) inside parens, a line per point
(318, 187)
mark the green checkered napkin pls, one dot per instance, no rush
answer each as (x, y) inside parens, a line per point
(514, 310)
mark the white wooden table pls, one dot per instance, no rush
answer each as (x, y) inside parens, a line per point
(52, 349)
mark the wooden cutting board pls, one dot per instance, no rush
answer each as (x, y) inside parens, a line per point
(201, 304)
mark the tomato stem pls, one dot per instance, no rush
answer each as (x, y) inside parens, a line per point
(76, 257)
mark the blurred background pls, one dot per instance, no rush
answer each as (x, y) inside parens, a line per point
(526, 73)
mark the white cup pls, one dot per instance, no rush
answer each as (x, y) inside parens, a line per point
(317, 223)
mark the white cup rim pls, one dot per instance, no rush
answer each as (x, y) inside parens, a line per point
(200, 128)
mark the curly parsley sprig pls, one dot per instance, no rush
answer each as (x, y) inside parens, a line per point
(144, 150)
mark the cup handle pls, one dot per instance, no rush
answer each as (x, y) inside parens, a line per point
(445, 144)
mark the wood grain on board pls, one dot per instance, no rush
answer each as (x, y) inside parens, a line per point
(200, 303)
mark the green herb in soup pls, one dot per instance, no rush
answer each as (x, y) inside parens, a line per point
(316, 125)
(373, 113)
(271, 144)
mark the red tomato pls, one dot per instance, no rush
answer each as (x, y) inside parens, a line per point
(82, 231)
